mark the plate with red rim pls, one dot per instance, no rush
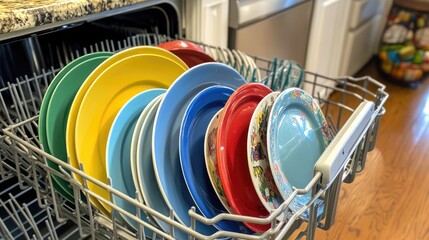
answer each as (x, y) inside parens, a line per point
(231, 151)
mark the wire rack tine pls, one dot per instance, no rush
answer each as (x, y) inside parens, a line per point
(51, 225)
(5, 231)
(113, 213)
(27, 214)
(17, 219)
(53, 194)
(91, 216)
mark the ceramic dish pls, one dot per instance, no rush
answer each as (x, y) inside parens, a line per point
(135, 138)
(58, 109)
(231, 148)
(257, 155)
(197, 116)
(297, 136)
(59, 184)
(231, 58)
(238, 61)
(246, 66)
(47, 96)
(147, 183)
(295, 76)
(166, 133)
(71, 121)
(108, 93)
(118, 147)
(211, 160)
(256, 74)
(192, 58)
(189, 52)
(180, 45)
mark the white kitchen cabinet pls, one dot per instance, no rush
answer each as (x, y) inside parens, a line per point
(345, 35)
(327, 37)
(207, 21)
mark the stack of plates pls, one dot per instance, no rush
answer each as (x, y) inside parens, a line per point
(143, 122)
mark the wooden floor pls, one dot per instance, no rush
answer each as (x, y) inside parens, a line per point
(390, 199)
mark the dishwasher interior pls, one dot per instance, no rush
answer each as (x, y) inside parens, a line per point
(31, 209)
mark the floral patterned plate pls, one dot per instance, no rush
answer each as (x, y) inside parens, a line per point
(257, 156)
(297, 136)
(211, 161)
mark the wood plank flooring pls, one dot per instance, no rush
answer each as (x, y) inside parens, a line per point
(390, 199)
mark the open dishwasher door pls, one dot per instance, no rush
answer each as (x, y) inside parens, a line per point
(276, 28)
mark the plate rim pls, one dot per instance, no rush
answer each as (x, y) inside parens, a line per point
(316, 110)
(111, 65)
(122, 120)
(50, 118)
(74, 109)
(239, 95)
(187, 124)
(256, 183)
(205, 67)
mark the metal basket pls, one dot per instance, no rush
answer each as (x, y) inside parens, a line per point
(353, 110)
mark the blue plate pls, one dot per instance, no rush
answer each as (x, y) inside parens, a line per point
(297, 136)
(166, 133)
(191, 145)
(118, 150)
(149, 189)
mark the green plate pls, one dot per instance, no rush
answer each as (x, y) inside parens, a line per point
(75, 71)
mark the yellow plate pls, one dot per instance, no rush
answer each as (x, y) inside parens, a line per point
(103, 100)
(71, 122)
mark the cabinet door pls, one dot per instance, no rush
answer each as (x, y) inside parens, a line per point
(359, 47)
(328, 31)
(207, 21)
(327, 35)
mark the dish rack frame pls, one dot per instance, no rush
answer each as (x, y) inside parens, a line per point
(353, 113)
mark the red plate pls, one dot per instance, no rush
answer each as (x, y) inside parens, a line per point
(232, 156)
(190, 53)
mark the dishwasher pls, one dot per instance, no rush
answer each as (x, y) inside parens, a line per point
(30, 208)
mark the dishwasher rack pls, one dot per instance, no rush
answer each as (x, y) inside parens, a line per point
(354, 112)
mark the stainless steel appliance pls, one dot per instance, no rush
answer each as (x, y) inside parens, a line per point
(275, 28)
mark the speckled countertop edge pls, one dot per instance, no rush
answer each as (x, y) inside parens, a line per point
(40, 12)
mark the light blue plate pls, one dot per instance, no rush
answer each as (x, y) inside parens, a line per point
(297, 136)
(194, 125)
(166, 133)
(118, 151)
(149, 188)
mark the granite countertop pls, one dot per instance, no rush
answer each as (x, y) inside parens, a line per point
(17, 15)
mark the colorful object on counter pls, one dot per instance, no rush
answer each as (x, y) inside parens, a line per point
(404, 51)
(395, 34)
